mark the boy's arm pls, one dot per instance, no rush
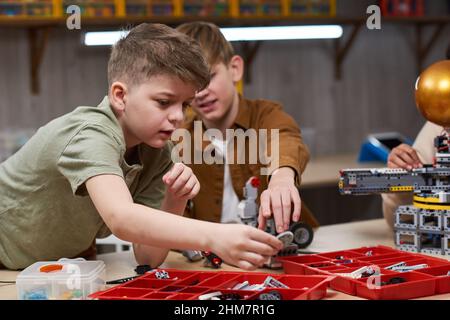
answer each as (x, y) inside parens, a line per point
(181, 186)
(154, 256)
(281, 199)
(239, 245)
(151, 255)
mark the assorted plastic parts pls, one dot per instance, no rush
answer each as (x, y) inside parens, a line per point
(406, 218)
(447, 222)
(431, 242)
(431, 220)
(428, 228)
(210, 285)
(376, 272)
(302, 233)
(212, 260)
(407, 240)
(447, 244)
(192, 255)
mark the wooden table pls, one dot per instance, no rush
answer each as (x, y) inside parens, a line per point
(329, 238)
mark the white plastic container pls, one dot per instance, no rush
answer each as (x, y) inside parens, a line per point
(64, 279)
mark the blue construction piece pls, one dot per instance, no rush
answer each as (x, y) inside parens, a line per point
(376, 147)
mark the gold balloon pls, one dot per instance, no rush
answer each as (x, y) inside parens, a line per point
(433, 93)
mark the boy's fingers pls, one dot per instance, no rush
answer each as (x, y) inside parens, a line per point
(396, 162)
(286, 205)
(195, 191)
(265, 204)
(266, 238)
(275, 199)
(406, 157)
(261, 248)
(176, 170)
(406, 148)
(188, 187)
(255, 259)
(261, 220)
(245, 265)
(164, 178)
(297, 205)
(413, 154)
(181, 181)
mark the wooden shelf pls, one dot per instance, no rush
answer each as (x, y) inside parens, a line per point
(38, 29)
(115, 22)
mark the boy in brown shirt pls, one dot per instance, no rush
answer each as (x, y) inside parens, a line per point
(222, 108)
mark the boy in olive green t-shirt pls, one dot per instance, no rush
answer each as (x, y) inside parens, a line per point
(108, 168)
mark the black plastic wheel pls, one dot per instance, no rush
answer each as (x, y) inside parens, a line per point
(303, 234)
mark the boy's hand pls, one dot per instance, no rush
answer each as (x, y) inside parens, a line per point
(277, 201)
(404, 157)
(181, 182)
(243, 246)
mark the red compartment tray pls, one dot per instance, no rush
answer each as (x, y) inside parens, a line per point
(190, 285)
(418, 283)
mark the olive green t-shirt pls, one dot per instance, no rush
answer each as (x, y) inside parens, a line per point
(45, 211)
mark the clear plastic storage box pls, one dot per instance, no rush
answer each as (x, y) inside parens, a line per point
(65, 279)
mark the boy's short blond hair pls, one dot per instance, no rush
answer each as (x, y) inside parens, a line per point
(214, 45)
(155, 49)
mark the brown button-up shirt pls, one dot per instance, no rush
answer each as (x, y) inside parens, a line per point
(252, 114)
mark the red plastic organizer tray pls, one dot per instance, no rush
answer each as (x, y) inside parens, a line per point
(418, 283)
(189, 285)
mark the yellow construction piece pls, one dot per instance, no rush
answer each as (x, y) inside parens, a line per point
(401, 189)
(431, 206)
(427, 199)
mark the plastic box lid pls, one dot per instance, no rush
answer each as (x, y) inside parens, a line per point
(62, 269)
(62, 279)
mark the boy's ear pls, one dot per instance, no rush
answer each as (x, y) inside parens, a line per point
(237, 68)
(117, 96)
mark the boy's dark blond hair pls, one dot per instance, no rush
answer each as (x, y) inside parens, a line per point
(214, 45)
(156, 49)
